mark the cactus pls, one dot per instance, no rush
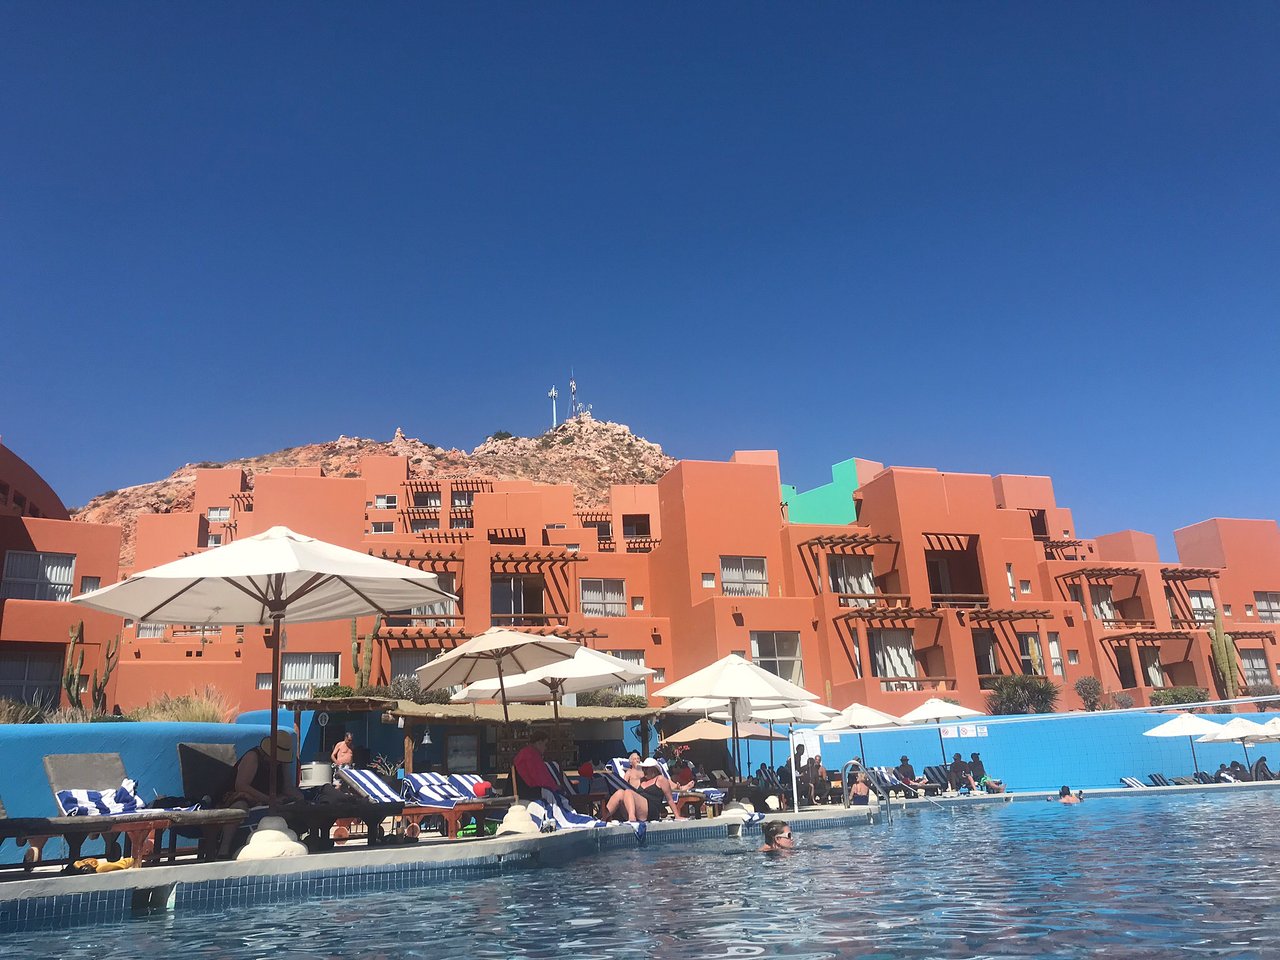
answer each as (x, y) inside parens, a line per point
(355, 650)
(108, 668)
(74, 664)
(362, 653)
(1223, 649)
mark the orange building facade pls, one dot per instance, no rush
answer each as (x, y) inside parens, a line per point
(923, 584)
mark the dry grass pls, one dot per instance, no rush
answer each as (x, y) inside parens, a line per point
(14, 711)
(209, 705)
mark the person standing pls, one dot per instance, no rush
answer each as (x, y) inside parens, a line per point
(343, 753)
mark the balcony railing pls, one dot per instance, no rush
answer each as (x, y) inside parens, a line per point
(874, 599)
(960, 601)
(745, 588)
(528, 619)
(1120, 623)
(915, 684)
(1191, 623)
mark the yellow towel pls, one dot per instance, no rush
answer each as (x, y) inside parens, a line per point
(122, 864)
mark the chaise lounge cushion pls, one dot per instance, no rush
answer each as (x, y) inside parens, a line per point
(101, 803)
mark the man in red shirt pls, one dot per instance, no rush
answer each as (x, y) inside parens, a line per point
(532, 774)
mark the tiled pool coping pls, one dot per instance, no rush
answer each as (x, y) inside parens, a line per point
(41, 902)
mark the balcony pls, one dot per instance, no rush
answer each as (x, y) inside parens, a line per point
(916, 684)
(528, 619)
(1119, 623)
(865, 600)
(960, 601)
(1192, 623)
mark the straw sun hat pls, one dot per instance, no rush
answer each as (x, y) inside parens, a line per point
(284, 746)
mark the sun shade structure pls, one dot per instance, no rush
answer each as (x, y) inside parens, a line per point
(266, 579)
(1241, 729)
(1187, 725)
(859, 717)
(701, 705)
(935, 710)
(585, 671)
(494, 655)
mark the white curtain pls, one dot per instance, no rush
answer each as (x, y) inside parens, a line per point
(894, 653)
(1150, 659)
(38, 576)
(1103, 606)
(851, 574)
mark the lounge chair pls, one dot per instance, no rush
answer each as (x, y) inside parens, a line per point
(589, 802)
(1159, 780)
(1183, 781)
(939, 781)
(374, 789)
(139, 829)
(1133, 782)
(553, 812)
(72, 775)
(209, 770)
(691, 803)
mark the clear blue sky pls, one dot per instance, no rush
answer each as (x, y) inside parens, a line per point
(1025, 238)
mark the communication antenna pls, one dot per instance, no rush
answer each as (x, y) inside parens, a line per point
(553, 393)
(573, 395)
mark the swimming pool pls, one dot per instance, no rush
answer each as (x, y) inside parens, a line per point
(1134, 877)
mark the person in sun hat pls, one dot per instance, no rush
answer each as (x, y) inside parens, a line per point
(657, 789)
(255, 770)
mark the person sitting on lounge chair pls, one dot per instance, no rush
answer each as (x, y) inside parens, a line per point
(657, 789)
(1239, 772)
(532, 773)
(255, 770)
(959, 775)
(906, 775)
(1261, 771)
(1223, 774)
(978, 771)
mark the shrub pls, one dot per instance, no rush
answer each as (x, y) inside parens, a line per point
(75, 714)
(333, 691)
(209, 705)
(611, 698)
(1022, 694)
(1168, 696)
(500, 435)
(1089, 689)
(1121, 701)
(15, 711)
(1264, 690)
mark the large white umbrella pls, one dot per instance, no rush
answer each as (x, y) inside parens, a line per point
(1189, 725)
(1271, 734)
(1240, 729)
(268, 578)
(737, 679)
(859, 717)
(936, 710)
(493, 655)
(693, 705)
(703, 729)
(586, 671)
(771, 712)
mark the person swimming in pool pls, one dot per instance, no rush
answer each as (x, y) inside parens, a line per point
(777, 837)
(1066, 796)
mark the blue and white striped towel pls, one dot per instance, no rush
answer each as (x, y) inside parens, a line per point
(432, 790)
(554, 809)
(101, 803)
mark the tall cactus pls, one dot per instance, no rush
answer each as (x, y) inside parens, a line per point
(1223, 649)
(108, 668)
(73, 664)
(362, 652)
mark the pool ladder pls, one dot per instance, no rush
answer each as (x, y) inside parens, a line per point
(846, 789)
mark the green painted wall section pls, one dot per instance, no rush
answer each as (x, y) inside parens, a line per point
(830, 503)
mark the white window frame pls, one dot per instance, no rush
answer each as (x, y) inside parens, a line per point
(301, 673)
(602, 597)
(38, 575)
(386, 501)
(1055, 655)
(788, 666)
(1030, 651)
(462, 499)
(89, 584)
(1256, 672)
(218, 514)
(431, 499)
(1268, 604)
(742, 576)
(422, 526)
(638, 688)
(382, 527)
(213, 540)
(1203, 608)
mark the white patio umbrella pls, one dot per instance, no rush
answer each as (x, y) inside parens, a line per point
(1240, 729)
(703, 729)
(586, 671)
(272, 577)
(737, 679)
(858, 717)
(935, 710)
(1271, 732)
(1189, 725)
(495, 654)
(693, 705)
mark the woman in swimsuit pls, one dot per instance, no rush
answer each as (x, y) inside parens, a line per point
(657, 789)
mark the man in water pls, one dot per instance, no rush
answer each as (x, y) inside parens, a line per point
(1066, 796)
(777, 837)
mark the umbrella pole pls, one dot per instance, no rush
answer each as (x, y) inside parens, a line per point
(795, 782)
(502, 693)
(1245, 747)
(862, 754)
(1194, 762)
(770, 744)
(272, 776)
(943, 747)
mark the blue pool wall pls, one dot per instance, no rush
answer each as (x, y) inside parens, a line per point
(1079, 750)
(149, 752)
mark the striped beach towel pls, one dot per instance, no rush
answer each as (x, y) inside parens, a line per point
(101, 803)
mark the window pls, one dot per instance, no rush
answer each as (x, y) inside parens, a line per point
(743, 577)
(659, 675)
(603, 528)
(779, 653)
(984, 653)
(1248, 609)
(1104, 607)
(218, 514)
(420, 526)
(213, 540)
(554, 526)
(300, 673)
(1073, 657)
(1055, 656)
(852, 575)
(893, 655)
(90, 583)
(1268, 607)
(383, 526)
(1226, 609)
(386, 501)
(1075, 593)
(1254, 665)
(516, 601)
(427, 498)
(404, 663)
(31, 677)
(461, 523)
(1152, 672)
(572, 547)
(1202, 606)
(1008, 575)
(635, 525)
(708, 581)
(462, 498)
(1024, 586)
(637, 603)
(1032, 661)
(37, 576)
(636, 658)
(604, 598)
(440, 608)
(149, 631)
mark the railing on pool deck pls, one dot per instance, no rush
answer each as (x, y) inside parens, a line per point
(846, 788)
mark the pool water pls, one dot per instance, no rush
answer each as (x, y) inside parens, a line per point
(1163, 876)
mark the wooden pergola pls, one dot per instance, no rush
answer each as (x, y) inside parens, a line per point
(1189, 573)
(1101, 573)
(890, 613)
(847, 540)
(990, 615)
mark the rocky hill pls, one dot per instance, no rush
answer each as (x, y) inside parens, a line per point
(590, 454)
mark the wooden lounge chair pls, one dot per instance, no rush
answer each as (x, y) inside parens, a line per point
(208, 770)
(139, 830)
(93, 771)
(370, 786)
